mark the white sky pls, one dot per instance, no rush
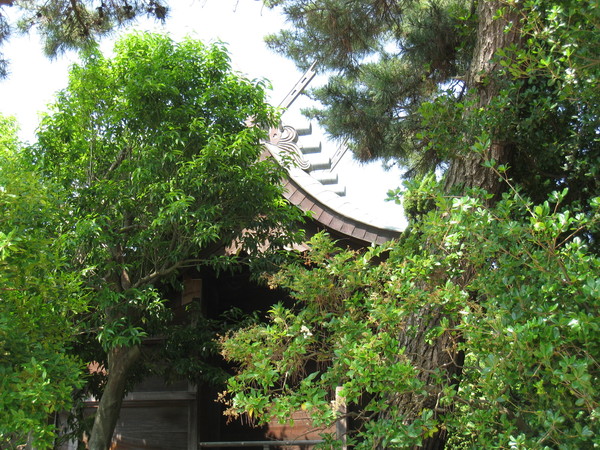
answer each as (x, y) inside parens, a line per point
(33, 79)
(241, 24)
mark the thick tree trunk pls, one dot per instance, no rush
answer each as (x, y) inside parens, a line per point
(465, 171)
(120, 362)
(492, 35)
(439, 363)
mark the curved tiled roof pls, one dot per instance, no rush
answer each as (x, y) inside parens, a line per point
(312, 186)
(312, 183)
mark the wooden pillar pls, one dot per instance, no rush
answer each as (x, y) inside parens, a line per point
(192, 435)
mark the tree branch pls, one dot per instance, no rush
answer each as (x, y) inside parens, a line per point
(75, 6)
(158, 274)
(118, 161)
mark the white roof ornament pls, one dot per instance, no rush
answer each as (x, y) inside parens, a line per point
(288, 143)
(298, 145)
(314, 182)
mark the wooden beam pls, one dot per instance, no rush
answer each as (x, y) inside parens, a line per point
(299, 87)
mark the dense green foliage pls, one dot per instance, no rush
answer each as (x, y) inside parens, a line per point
(549, 103)
(479, 328)
(39, 301)
(154, 155)
(158, 151)
(520, 299)
(153, 148)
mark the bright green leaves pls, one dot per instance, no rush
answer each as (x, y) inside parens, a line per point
(39, 300)
(520, 303)
(551, 92)
(526, 350)
(122, 330)
(154, 148)
(166, 83)
(516, 282)
(342, 332)
(159, 152)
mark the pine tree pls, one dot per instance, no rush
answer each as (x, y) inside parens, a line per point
(418, 83)
(73, 24)
(474, 89)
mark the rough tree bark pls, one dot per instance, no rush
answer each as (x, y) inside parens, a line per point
(120, 362)
(465, 171)
(492, 35)
(429, 358)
